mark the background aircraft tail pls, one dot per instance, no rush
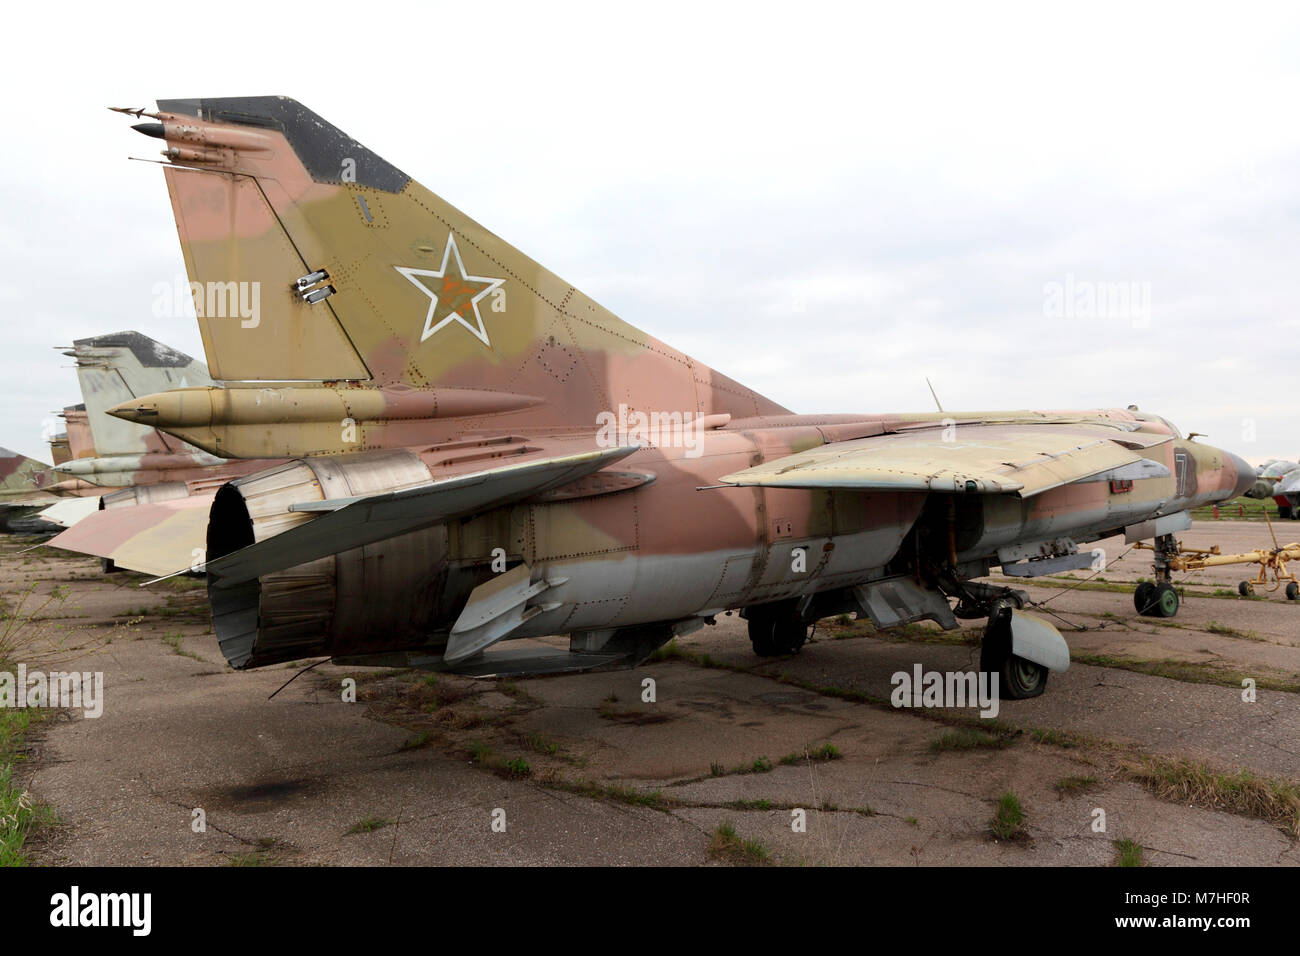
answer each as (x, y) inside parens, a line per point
(21, 476)
(121, 366)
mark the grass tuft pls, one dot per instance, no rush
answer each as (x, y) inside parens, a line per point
(1128, 853)
(370, 825)
(1189, 782)
(969, 739)
(21, 817)
(1008, 818)
(1072, 785)
(727, 845)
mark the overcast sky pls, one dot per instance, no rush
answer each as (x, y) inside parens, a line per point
(826, 202)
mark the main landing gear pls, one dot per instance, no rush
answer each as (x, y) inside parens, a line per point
(776, 629)
(1018, 678)
(1010, 639)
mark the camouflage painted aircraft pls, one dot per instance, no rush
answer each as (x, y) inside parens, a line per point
(146, 463)
(115, 368)
(23, 490)
(134, 463)
(1280, 480)
(59, 502)
(73, 442)
(481, 453)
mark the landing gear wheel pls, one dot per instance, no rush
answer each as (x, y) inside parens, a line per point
(1245, 589)
(760, 635)
(1292, 591)
(777, 634)
(1018, 679)
(1285, 511)
(1165, 601)
(1144, 598)
(1022, 679)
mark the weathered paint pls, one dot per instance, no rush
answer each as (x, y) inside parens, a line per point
(427, 333)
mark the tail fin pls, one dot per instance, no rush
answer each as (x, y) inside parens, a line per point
(20, 475)
(77, 438)
(60, 448)
(366, 275)
(119, 367)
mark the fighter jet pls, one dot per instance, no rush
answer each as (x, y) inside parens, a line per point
(146, 464)
(23, 490)
(1280, 480)
(481, 454)
(38, 500)
(115, 368)
(60, 502)
(131, 464)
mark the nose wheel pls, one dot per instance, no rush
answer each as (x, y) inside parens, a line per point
(1156, 600)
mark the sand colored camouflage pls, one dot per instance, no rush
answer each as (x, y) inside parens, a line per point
(481, 453)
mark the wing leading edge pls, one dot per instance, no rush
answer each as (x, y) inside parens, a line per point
(1022, 459)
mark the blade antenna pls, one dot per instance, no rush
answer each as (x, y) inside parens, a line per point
(932, 395)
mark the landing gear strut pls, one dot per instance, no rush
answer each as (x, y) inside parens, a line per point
(1018, 679)
(1158, 598)
(776, 629)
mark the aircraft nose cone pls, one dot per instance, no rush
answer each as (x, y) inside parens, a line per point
(1245, 474)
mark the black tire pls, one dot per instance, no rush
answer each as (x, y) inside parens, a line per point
(1143, 596)
(1021, 679)
(1245, 589)
(1165, 600)
(760, 636)
(1018, 679)
(777, 634)
(1284, 511)
(1292, 591)
(790, 636)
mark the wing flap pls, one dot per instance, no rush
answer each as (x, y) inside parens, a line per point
(1026, 459)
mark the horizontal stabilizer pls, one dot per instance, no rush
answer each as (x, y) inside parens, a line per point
(68, 511)
(366, 520)
(159, 539)
(1025, 459)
